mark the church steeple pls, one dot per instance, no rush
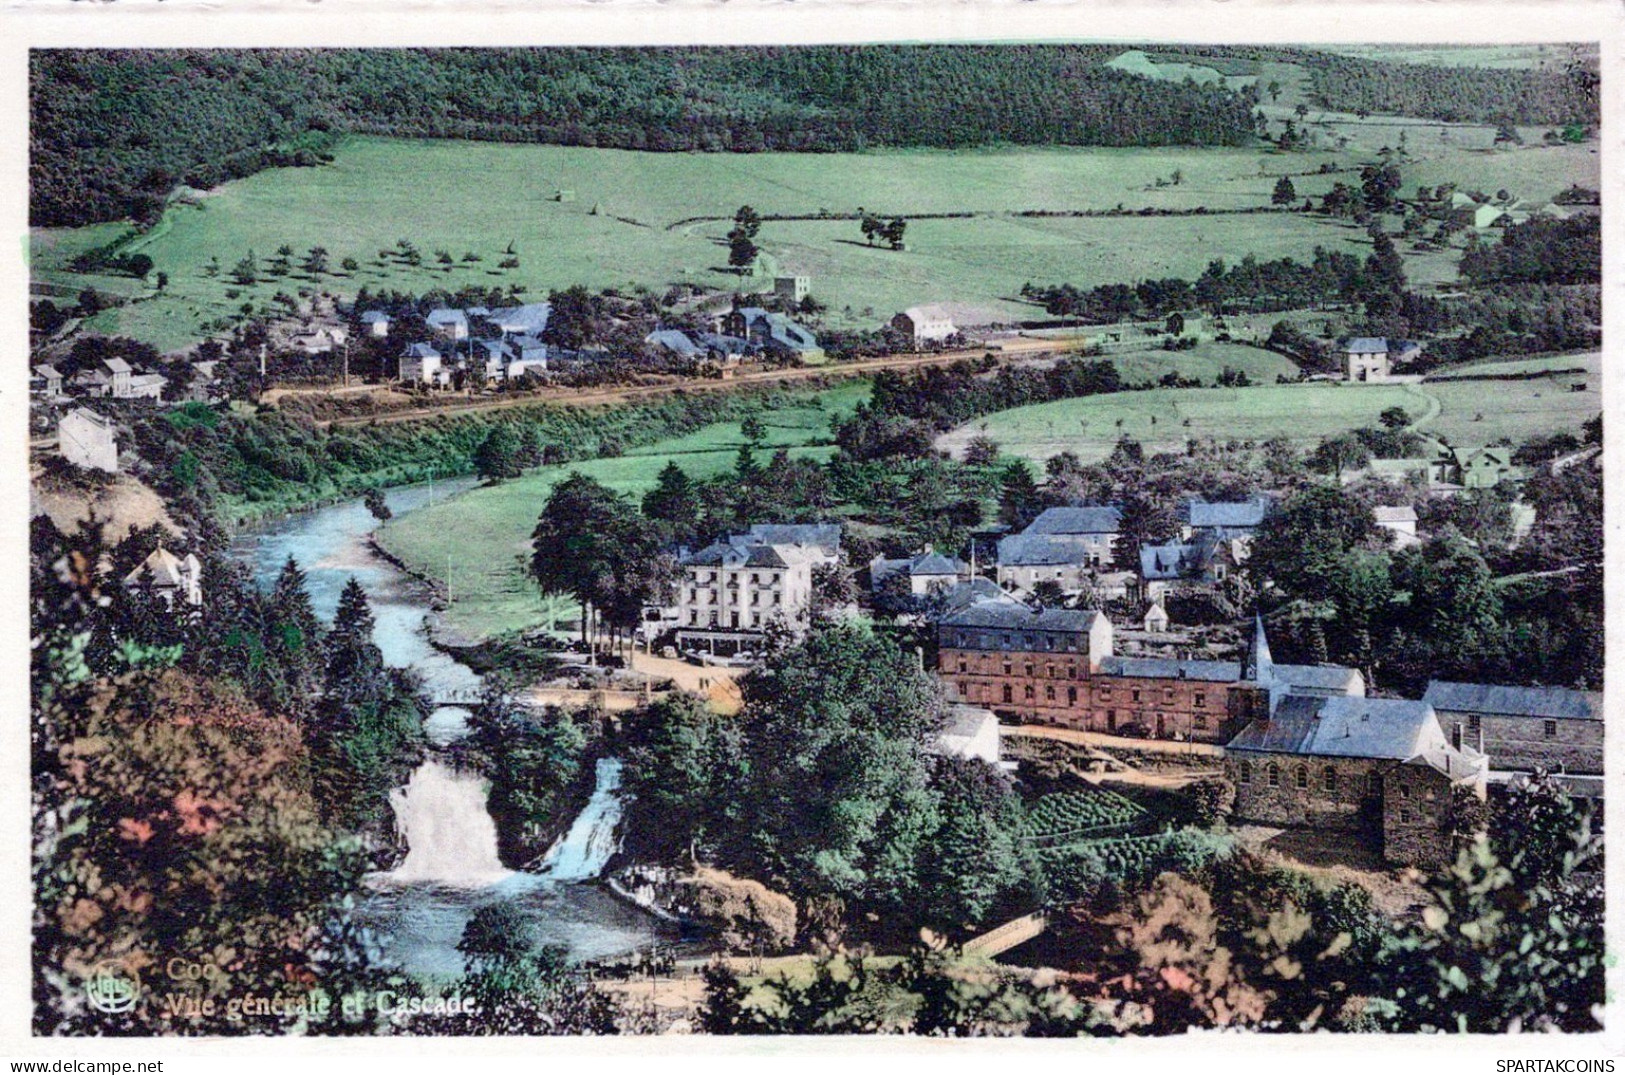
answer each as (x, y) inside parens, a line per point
(1258, 664)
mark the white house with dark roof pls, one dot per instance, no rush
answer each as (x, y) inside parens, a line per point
(449, 323)
(1062, 545)
(1365, 358)
(422, 364)
(730, 593)
(1523, 728)
(46, 382)
(929, 572)
(375, 323)
(87, 439)
(1400, 521)
(171, 577)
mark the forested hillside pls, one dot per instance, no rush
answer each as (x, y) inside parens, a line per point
(1455, 94)
(112, 132)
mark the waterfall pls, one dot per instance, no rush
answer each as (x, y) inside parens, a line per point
(583, 852)
(450, 837)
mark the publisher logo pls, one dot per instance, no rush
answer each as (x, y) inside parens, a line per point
(112, 987)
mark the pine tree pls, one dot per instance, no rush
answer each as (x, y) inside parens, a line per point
(1285, 192)
(296, 633)
(354, 663)
(1018, 496)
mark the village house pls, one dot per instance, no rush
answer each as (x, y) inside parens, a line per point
(1470, 468)
(87, 439)
(529, 319)
(929, 572)
(1522, 729)
(46, 382)
(1355, 765)
(1400, 521)
(319, 339)
(170, 577)
(925, 325)
(116, 379)
(375, 323)
(730, 593)
(792, 290)
(421, 364)
(1373, 358)
(1070, 546)
(1227, 518)
(773, 334)
(1200, 563)
(448, 323)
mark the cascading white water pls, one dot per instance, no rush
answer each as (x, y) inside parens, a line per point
(584, 851)
(450, 837)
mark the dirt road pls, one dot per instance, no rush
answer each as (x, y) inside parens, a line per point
(600, 396)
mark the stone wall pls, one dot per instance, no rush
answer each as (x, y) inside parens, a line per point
(1416, 816)
(1350, 804)
(1576, 746)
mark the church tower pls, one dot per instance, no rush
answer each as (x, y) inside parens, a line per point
(1257, 666)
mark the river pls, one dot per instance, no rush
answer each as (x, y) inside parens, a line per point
(451, 868)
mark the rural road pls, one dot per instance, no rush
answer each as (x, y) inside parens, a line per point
(626, 394)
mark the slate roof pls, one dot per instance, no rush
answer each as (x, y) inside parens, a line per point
(975, 591)
(94, 417)
(1169, 668)
(1557, 702)
(1366, 345)
(928, 312)
(1039, 550)
(374, 317)
(824, 535)
(1015, 616)
(673, 340)
(1171, 561)
(50, 373)
(525, 343)
(926, 563)
(115, 365)
(1401, 514)
(1091, 519)
(422, 350)
(1326, 677)
(445, 316)
(1229, 515)
(1344, 727)
(530, 319)
(719, 554)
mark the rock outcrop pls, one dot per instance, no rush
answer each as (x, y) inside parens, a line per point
(744, 914)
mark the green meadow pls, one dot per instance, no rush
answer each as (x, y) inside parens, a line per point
(629, 220)
(479, 541)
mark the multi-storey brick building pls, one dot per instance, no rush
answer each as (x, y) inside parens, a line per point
(1523, 728)
(1366, 766)
(1057, 667)
(1003, 655)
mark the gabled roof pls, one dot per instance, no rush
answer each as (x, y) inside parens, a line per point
(1229, 514)
(1345, 727)
(1366, 345)
(673, 340)
(88, 415)
(443, 315)
(422, 350)
(1324, 677)
(375, 317)
(928, 312)
(1089, 519)
(527, 343)
(975, 591)
(165, 568)
(720, 554)
(1558, 702)
(1170, 668)
(48, 372)
(1009, 615)
(1173, 561)
(1039, 550)
(115, 365)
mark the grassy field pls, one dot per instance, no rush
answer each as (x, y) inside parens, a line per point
(632, 223)
(1501, 367)
(1468, 413)
(480, 539)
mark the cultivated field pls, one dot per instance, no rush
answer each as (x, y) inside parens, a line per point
(637, 219)
(481, 538)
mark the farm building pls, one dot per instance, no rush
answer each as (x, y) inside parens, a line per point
(1470, 468)
(972, 732)
(1366, 359)
(527, 320)
(87, 439)
(925, 325)
(115, 378)
(774, 334)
